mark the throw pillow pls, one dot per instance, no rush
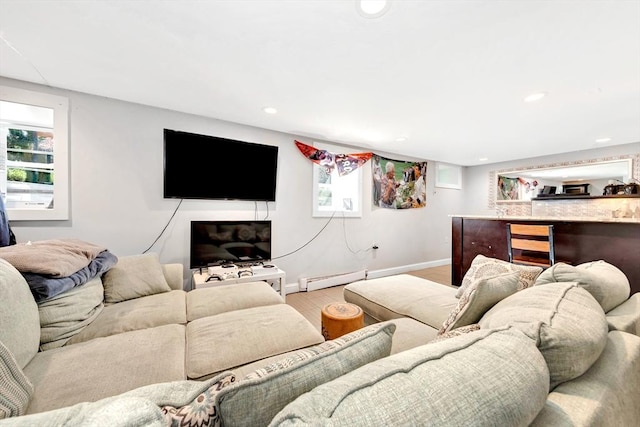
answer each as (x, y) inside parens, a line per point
(262, 394)
(478, 298)
(605, 282)
(202, 411)
(15, 387)
(482, 267)
(133, 277)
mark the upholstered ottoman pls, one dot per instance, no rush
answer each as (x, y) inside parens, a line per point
(235, 338)
(400, 296)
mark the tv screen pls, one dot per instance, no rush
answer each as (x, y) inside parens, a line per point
(209, 167)
(217, 242)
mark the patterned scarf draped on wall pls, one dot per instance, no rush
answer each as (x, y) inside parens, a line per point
(344, 163)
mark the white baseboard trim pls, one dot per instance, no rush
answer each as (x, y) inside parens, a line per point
(291, 288)
(374, 274)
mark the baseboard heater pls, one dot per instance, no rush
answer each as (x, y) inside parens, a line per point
(314, 283)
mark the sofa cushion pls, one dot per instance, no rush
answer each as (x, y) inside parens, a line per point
(483, 267)
(455, 382)
(148, 312)
(605, 395)
(15, 387)
(565, 321)
(608, 285)
(67, 314)
(257, 398)
(480, 296)
(205, 302)
(106, 366)
(20, 330)
(218, 343)
(133, 277)
(403, 295)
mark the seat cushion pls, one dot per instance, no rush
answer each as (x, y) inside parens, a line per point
(403, 295)
(565, 321)
(608, 285)
(222, 342)
(140, 313)
(20, 330)
(106, 366)
(257, 398)
(221, 299)
(422, 386)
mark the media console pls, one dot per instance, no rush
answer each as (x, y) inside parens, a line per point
(230, 274)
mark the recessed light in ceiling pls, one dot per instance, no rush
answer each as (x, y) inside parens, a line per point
(602, 140)
(372, 8)
(535, 97)
(483, 159)
(401, 139)
(269, 110)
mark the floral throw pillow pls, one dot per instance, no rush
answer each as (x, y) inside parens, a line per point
(483, 267)
(202, 411)
(462, 330)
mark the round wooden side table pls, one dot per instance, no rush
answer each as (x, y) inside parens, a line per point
(340, 318)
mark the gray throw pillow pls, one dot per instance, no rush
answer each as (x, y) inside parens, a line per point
(134, 277)
(478, 297)
(256, 399)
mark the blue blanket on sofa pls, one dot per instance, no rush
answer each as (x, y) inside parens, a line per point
(45, 287)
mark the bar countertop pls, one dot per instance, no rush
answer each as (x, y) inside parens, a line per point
(547, 218)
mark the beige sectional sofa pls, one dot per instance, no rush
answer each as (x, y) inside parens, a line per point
(542, 354)
(144, 329)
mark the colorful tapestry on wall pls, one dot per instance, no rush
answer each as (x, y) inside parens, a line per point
(398, 184)
(344, 163)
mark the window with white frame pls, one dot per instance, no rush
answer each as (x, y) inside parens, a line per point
(34, 154)
(333, 193)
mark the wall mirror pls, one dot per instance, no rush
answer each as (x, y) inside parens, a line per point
(588, 179)
(34, 159)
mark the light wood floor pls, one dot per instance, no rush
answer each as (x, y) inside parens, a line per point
(309, 304)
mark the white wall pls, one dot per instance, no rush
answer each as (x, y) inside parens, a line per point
(116, 197)
(476, 178)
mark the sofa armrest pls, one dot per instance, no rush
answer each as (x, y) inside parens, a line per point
(626, 316)
(173, 273)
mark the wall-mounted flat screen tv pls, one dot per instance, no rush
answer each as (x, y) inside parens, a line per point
(218, 242)
(209, 167)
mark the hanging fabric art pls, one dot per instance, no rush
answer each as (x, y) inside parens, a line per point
(344, 163)
(399, 184)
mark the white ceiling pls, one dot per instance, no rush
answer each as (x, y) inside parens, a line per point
(450, 76)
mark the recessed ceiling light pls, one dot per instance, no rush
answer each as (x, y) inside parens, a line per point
(401, 139)
(372, 8)
(535, 97)
(602, 140)
(483, 159)
(269, 110)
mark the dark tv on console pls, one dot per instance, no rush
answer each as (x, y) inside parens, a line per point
(237, 242)
(209, 167)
